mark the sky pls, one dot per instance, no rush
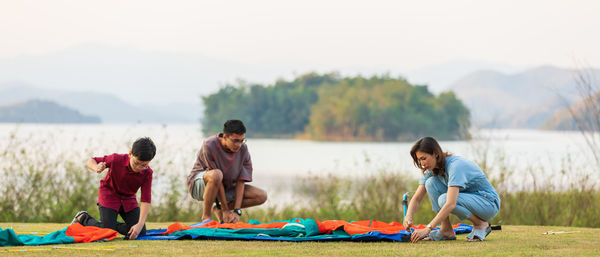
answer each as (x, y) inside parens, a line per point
(315, 35)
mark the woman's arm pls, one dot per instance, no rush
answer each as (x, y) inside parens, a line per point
(414, 205)
(451, 198)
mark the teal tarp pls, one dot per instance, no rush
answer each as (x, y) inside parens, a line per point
(9, 238)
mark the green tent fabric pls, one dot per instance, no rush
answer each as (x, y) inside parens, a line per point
(304, 228)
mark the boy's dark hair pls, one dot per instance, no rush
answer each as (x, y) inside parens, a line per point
(143, 149)
(234, 127)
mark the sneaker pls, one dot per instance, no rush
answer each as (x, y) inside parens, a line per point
(75, 220)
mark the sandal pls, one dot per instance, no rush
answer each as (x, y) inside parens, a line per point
(479, 234)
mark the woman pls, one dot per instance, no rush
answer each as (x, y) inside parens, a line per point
(454, 185)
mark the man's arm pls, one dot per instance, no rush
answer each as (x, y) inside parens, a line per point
(237, 203)
(223, 200)
(94, 166)
(135, 230)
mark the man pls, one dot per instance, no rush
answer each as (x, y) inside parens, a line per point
(220, 173)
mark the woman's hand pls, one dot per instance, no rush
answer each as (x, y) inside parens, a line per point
(419, 234)
(408, 222)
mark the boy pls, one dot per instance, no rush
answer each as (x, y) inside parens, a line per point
(126, 174)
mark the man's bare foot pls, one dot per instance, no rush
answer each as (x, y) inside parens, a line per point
(217, 212)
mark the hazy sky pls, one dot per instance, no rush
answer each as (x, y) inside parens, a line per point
(402, 34)
(279, 38)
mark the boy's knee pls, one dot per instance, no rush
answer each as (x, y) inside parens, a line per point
(110, 225)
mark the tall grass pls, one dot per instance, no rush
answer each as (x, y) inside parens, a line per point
(31, 192)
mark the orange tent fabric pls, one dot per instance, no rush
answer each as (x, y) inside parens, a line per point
(83, 234)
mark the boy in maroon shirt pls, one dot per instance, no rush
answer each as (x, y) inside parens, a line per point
(126, 174)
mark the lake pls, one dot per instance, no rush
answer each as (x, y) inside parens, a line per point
(559, 157)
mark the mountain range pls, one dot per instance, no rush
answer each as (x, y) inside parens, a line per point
(520, 100)
(40, 111)
(108, 107)
(125, 85)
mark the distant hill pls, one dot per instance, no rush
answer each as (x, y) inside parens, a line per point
(563, 120)
(107, 106)
(439, 76)
(163, 77)
(522, 100)
(41, 111)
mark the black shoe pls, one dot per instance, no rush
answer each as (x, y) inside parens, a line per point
(75, 220)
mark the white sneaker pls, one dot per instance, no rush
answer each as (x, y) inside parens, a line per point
(75, 220)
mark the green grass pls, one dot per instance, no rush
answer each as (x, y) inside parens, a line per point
(511, 241)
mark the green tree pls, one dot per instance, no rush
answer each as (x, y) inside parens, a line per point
(326, 107)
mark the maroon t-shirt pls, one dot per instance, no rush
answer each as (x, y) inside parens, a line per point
(235, 166)
(120, 184)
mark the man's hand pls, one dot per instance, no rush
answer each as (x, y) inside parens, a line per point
(408, 222)
(100, 167)
(228, 216)
(234, 217)
(135, 231)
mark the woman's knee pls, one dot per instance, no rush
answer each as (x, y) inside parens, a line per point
(429, 184)
(433, 185)
(442, 199)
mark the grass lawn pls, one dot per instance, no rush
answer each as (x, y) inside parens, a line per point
(511, 241)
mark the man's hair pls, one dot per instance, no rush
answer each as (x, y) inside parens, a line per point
(143, 149)
(234, 127)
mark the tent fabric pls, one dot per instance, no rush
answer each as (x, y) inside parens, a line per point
(295, 229)
(74, 233)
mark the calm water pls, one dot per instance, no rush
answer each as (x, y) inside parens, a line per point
(278, 162)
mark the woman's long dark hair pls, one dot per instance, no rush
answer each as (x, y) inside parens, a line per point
(430, 146)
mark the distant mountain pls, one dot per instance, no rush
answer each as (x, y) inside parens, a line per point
(522, 100)
(562, 119)
(41, 111)
(109, 107)
(440, 76)
(135, 75)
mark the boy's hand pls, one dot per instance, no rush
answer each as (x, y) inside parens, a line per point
(100, 167)
(135, 231)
